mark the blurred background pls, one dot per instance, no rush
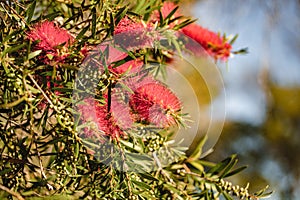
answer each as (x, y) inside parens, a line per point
(262, 90)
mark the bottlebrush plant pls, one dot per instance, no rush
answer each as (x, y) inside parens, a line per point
(83, 112)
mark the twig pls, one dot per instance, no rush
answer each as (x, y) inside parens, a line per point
(40, 89)
(17, 195)
(160, 168)
(12, 104)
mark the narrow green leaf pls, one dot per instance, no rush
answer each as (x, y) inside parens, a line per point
(197, 165)
(198, 150)
(171, 13)
(112, 23)
(120, 14)
(34, 54)
(141, 185)
(230, 166)
(241, 51)
(266, 195)
(220, 166)
(227, 196)
(128, 89)
(261, 192)
(183, 24)
(33, 90)
(30, 11)
(148, 176)
(94, 20)
(139, 6)
(13, 48)
(234, 39)
(234, 172)
(82, 32)
(161, 19)
(52, 16)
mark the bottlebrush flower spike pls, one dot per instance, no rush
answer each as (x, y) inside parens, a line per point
(112, 123)
(133, 35)
(49, 38)
(210, 41)
(154, 103)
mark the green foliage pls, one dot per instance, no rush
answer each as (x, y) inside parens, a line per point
(42, 156)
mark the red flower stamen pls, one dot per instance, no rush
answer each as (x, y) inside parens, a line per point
(107, 122)
(154, 103)
(212, 43)
(50, 38)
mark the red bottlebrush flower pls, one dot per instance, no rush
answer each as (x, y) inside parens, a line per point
(112, 123)
(210, 41)
(133, 35)
(50, 38)
(154, 103)
(127, 25)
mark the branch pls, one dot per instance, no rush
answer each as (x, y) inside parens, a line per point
(17, 195)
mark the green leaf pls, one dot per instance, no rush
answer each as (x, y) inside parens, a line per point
(139, 6)
(234, 39)
(161, 19)
(141, 185)
(173, 189)
(34, 54)
(13, 49)
(30, 11)
(120, 14)
(241, 51)
(235, 171)
(94, 21)
(227, 196)
(171, 13)
(262, 192)
(112, 23)
(197, 165)
(230, 166)
(148, 176)
(183, 24)
(124, 86)
(76, 154)
(198, 150)
(82, 32)
(220, 166)
(52, 16)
